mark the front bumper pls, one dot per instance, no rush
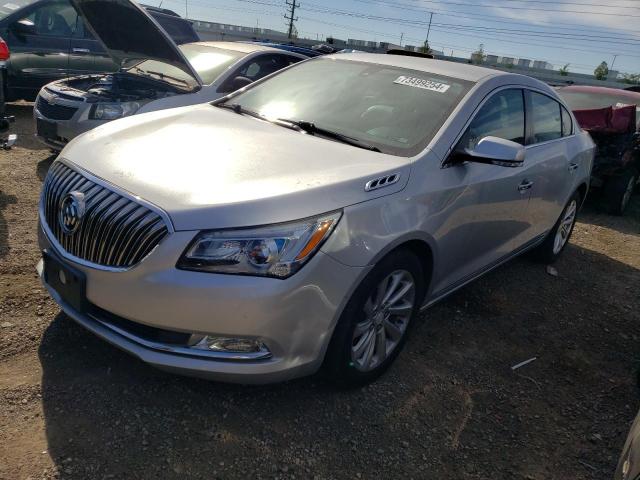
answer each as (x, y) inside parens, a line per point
(294, 318)
(66, 130)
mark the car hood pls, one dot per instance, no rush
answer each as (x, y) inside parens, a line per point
(130, 35)
(212, 168)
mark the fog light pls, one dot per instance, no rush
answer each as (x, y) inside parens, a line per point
(230, 345)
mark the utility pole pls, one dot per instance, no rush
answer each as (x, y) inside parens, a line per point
(426, 42)
(401, 37)
(291, 17)
(186, 9)
(614, 61)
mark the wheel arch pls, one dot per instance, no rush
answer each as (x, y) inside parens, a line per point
(582, 190)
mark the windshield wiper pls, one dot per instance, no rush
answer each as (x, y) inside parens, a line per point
(312, 129)
(240, 110)
(150, 73)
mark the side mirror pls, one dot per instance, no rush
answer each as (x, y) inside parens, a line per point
(24, 27)
(240, 82)
(494, 151)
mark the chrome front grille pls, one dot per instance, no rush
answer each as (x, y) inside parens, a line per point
(113, 231)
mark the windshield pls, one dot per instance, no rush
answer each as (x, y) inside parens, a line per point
(208, 62)
(394, 109)
(8, 7)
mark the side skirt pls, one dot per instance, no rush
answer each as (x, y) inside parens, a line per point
(470, 278)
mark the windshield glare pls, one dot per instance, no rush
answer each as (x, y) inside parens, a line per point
(7, 8)
(208, 62)
(395, 109)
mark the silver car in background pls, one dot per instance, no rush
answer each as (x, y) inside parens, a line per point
(305, 220)
(155, 73)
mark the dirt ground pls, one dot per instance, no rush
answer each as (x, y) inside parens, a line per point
(72, 406)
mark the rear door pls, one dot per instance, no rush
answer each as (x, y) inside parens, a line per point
(87, 53)
(41, 55)
(547, 159)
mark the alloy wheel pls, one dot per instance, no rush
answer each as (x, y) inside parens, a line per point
(566, 224)
(387, 312)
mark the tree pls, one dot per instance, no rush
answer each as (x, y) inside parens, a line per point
(564, 71)
(479, 56)
(633, 78)
(602, 71)
(426, 48)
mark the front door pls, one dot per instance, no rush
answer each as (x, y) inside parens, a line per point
(40, 54)
(488, 210)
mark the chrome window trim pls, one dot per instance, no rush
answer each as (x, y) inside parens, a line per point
(119, 191)
(495, 91)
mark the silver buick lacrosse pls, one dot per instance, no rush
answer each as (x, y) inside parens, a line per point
(304, 221)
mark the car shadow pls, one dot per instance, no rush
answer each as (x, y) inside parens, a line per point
(593, 213)
(24, 125)
(5, 201)
(450, 395)
(43, 166)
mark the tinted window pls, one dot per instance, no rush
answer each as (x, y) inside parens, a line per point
(567, 127)
(57, 20)
(263, 65)
(501, 116)
(395, 109)
(545, 117)
(179, 29)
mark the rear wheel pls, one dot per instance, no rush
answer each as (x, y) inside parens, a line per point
(555, 242)
(617, 191)
(373, 327)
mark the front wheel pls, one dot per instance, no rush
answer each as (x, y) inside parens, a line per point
(373, 327)
(555, 242)
(617, 191)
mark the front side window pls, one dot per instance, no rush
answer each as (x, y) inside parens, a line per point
(545, 117)
(394, 109)
(501, 116)
(56, 20)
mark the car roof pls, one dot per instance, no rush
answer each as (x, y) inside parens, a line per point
(461, 71)
(237, 46)
(601, 90)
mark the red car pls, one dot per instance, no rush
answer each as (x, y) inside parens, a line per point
(612, 117)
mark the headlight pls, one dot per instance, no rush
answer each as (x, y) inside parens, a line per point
(272, 251)
(111, 111)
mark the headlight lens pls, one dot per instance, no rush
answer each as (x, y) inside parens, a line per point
(111, 111)
(272, 251)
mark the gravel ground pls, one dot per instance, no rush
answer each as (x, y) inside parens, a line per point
(74, 407)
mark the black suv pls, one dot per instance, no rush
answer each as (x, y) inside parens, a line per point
(48, 41)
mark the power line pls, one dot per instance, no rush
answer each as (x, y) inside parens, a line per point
(292, 12)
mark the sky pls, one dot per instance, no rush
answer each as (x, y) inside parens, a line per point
(581, 33)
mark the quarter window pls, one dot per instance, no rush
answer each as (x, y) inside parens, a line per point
(545, 118)
(567, 124)
(501, 116)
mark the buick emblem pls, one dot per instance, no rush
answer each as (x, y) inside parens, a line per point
(71, 211)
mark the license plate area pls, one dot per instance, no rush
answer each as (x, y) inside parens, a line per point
(68, 282)
(47, 129)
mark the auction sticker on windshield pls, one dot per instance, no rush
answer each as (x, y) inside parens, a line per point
(422, 83)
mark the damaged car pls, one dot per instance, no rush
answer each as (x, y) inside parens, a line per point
(154, 74)
(612, 117)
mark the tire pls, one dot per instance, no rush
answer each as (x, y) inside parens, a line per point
(354, 354)
(557, 239)
(617, 191)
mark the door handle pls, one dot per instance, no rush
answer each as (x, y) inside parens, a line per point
(524, 186)
(573, 166)
(81, 50)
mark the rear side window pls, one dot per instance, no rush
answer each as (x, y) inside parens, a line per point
(180, 30)
(567, 124)
(501, 116)
(545, 118)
